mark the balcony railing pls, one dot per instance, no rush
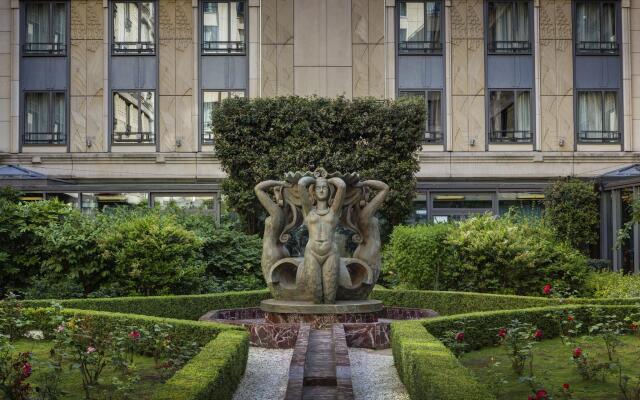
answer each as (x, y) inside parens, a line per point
(44, 49)
(139, 48)
(517, 137)
(223, 47)
(510, 46)
(424, 47)
(44, 138)
(133, 137)
(207, 137)
(598, 137)
(597, 47)
(433, 137)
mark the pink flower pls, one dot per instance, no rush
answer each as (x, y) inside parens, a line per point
(541, 394)
(91, 349)
(459, 337)
(538, 335)
(26, 370)
(547, 289)
(135, 335)
(60, 328)
(577, 352)
(502, 332)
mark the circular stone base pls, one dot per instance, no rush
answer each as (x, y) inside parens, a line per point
(305, 307)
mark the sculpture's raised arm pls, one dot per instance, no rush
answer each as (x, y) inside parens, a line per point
(374, 204)
(338, 199)
(303, 189)
(263, 197)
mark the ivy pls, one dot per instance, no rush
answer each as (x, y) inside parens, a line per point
(259, 139)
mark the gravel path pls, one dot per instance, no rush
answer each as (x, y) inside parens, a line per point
(266, 375)
(374, 376)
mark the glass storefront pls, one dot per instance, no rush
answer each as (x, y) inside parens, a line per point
(92, 202)
(193, 203)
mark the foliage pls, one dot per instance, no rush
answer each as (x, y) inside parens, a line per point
(485, 254)
(518, 339)
(259, 139)
(571, 206)
(14, 371)
(611, 285)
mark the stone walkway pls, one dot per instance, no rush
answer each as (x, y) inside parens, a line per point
(266, 376)
(374, 375)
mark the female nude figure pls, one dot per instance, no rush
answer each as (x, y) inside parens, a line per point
(369, 249)
(319, 272)
(272, 249)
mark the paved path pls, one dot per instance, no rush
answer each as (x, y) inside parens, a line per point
(266, 375)
(374, 375)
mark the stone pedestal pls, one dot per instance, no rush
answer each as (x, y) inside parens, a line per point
(321, 315)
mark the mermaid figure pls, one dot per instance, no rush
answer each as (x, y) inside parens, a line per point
(272, 249)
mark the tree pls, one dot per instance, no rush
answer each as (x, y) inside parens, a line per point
(259, 139)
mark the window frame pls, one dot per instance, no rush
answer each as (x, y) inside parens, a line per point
(619, 132)
(425, 51)
(439, 137)
(491, 139)
(229, 51)
(490, 44)
(63, 135)
(211, 142)
(140, 142)
(600, 51)
(63, 47)
(152, 47)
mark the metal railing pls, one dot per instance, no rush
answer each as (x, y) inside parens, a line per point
(49, 49)
(223, 47)
(133, 137)
(415, 47)
(510, 46)
(44, 138)
(207, 137)
(143, 48)
(510, 137)
(433, 137)
(598, 137)
(597, 47)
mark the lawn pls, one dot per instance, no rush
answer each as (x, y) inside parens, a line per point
(553, 366)
(71, 381)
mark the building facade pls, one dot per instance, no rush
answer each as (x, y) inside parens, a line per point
(107, 102)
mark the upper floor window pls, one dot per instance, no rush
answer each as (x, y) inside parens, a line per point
(598, 117)
(210, 99)
(420, 25)
(223, 27)
(45, 28)
(509, 27)
(596, 27)
(510, 116)
(433, 133)
(134, 27)
(45, 118)
(133, 117)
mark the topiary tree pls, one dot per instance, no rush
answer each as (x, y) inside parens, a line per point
(571, 207)
(259, 139)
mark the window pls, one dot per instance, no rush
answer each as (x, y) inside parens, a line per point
(433, 131)
(223, 27)
(209, 100)
(192, 203)
(420, 27)
(45, 28)
(509, 27)
(510, 116)
(596, 27)
(92, 202)
(133, 117)
(134, 27)
(598, 117)
(45, 118)
(524, 204)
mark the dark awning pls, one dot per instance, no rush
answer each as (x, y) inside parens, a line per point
(623, 177)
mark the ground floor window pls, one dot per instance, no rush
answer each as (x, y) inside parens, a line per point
(190, 202)
(45, 118)
(133, 117)
(510, 116)
(598, 117)
(433, 133)
(210, 98)
(92, 202)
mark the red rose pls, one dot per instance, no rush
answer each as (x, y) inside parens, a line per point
(577, 352)
(135, 335)
(459, 337)
(570, 318)
(538, 335)
(531, 398)
(541, 394)
(26, 370)
(565, 386)
(547, 289)
(502, 332)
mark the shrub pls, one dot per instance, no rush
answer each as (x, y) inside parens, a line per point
(571, 207)
(486, 254)
(613, 285)
(258, 139)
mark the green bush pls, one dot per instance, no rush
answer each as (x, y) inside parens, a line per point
(571, 207)
(485, 254)
(613, 285)
(259, 139)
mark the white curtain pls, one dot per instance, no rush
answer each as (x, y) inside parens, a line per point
(609, 22)
(588, 21)
(610, 112)
(59, 24)
(521, 33)
(434, 114)
(523, 112)
(503, 23)
(37, 105)
(37, 23)
(590, 111)
(59, 114)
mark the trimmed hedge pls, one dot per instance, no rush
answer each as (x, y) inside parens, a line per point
(428, 369)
